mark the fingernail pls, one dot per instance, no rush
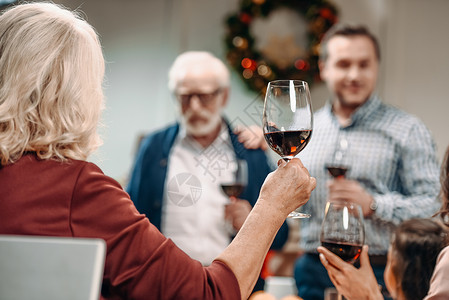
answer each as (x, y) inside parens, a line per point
(323, 259)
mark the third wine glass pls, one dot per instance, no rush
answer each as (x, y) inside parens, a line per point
(343, 230)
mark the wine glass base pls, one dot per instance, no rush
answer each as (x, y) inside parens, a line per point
(298, 215)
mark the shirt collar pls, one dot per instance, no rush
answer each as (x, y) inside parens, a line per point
(366, 109)
(370, 106)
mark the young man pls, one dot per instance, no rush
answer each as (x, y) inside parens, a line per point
(392, 168)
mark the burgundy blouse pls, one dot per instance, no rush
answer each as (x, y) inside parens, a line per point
(75, 199)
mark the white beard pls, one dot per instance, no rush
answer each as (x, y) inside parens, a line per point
(209, 122)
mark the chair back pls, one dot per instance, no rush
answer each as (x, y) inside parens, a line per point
(47, 268)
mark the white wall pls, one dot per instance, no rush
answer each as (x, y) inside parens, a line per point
(417, 63)
(141, 38)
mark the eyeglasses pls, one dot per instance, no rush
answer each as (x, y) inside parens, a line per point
(205, 99)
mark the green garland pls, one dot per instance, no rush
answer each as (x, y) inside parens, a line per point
(255, 70)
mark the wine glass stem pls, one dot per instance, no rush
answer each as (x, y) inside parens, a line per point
(294, 214)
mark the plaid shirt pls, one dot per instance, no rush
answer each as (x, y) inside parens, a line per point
(392, 154)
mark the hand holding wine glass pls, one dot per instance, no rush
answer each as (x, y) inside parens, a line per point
(288, 120)
(343, 231)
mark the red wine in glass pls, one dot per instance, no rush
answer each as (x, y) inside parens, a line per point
(338, 166)
(234, 187)
(343, 230)
(233, 190)
(288, 143)
(337, 171)
(346, 251)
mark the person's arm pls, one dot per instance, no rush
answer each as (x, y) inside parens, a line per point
(142, 264)
(419, 177)
(353, 283)
(284, 190)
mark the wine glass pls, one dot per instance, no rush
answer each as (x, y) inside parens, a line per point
(237, 184)
(339, 163)
(343, 231)
(288, 120)
(234, 186)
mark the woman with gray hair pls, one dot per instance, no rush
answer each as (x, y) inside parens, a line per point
(51, 73)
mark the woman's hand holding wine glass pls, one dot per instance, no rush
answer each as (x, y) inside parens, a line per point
(288, 120)
(352, 283)
(290, 183)
(342, 230)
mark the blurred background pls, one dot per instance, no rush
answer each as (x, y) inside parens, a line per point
(141, 38)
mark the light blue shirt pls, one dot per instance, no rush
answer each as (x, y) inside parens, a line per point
(392, 154)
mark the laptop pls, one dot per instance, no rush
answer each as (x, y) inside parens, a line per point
(47, 268)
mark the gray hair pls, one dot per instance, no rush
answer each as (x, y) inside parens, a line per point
(191, 59)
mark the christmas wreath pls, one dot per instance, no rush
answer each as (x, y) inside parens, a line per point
(256, 67)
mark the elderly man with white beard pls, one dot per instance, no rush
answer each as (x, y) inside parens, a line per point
(178, 170)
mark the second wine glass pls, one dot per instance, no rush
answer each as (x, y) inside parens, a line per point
(235, 186)
(339, 163)
(288, 120)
